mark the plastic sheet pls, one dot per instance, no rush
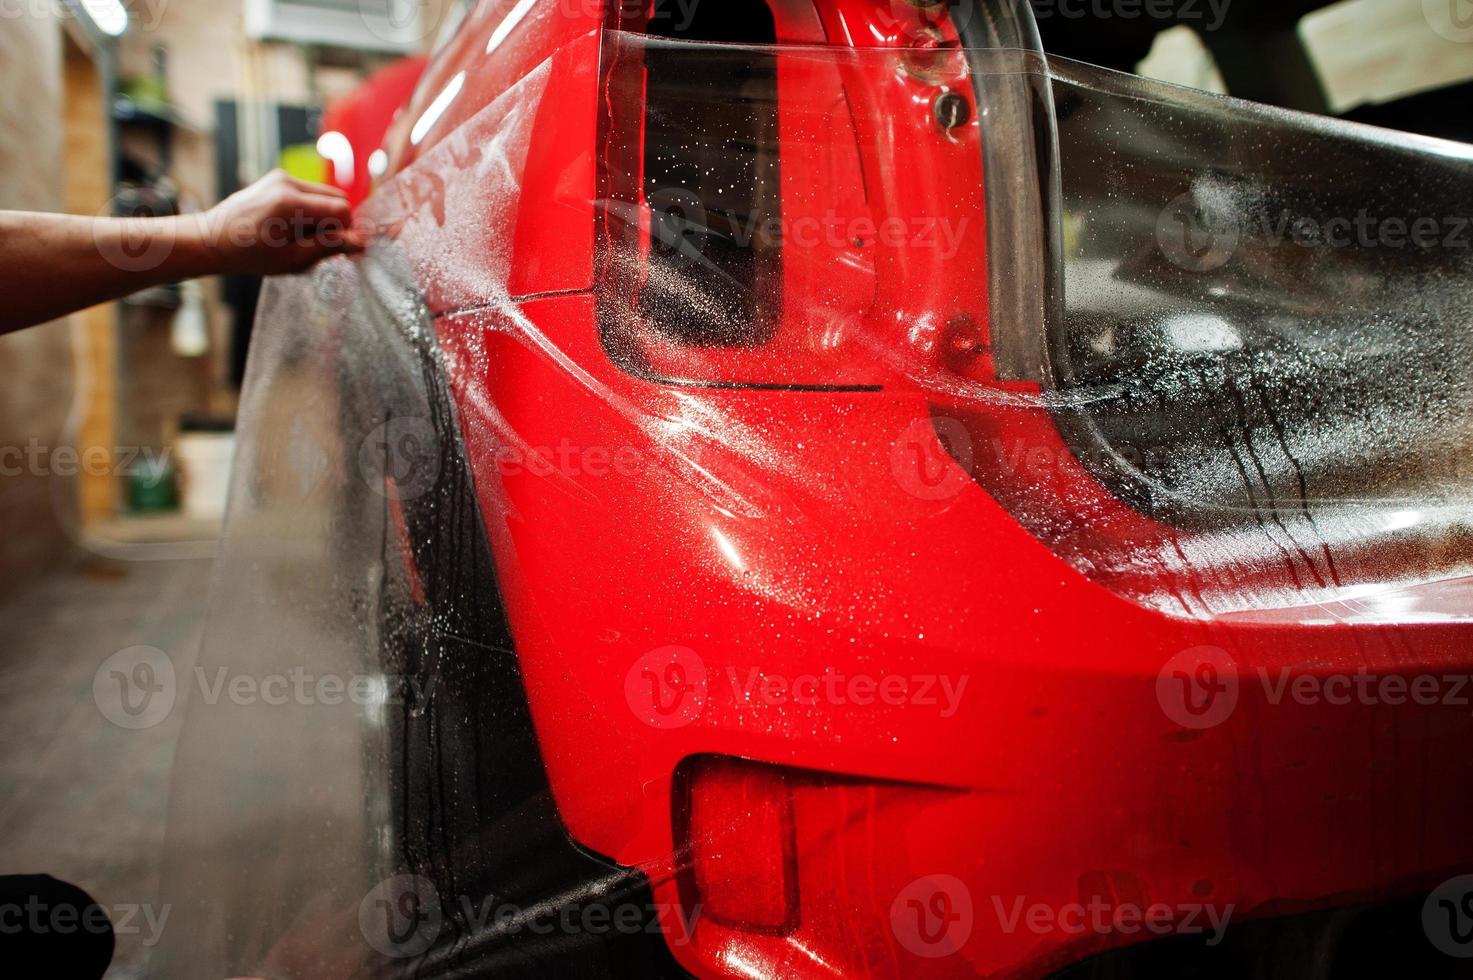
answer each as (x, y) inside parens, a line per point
(1272, 367)
(751, 514)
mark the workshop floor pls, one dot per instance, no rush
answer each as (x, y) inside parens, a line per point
(81, 798)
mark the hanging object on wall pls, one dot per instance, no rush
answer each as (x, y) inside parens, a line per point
(191, 334)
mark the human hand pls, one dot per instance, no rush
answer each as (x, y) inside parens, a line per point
(277, 226)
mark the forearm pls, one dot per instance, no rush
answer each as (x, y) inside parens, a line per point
(51, 264)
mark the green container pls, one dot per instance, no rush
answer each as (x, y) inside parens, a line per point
(153, 489)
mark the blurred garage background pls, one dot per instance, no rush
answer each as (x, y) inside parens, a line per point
(115, 426)
(157, 107)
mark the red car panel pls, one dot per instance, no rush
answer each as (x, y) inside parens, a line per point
(782, 559)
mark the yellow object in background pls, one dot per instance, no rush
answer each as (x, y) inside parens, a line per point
(304, 162)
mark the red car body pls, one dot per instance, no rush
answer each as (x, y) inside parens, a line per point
(363, 119)
(793, 661)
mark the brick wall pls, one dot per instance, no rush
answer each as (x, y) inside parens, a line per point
(35, 365)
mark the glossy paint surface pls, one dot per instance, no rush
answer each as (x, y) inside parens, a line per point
(678, 558)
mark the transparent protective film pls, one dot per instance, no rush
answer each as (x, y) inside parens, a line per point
(280, 771)
(769, 511)
(794, 236)
(1264, 353)
(357, 791)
